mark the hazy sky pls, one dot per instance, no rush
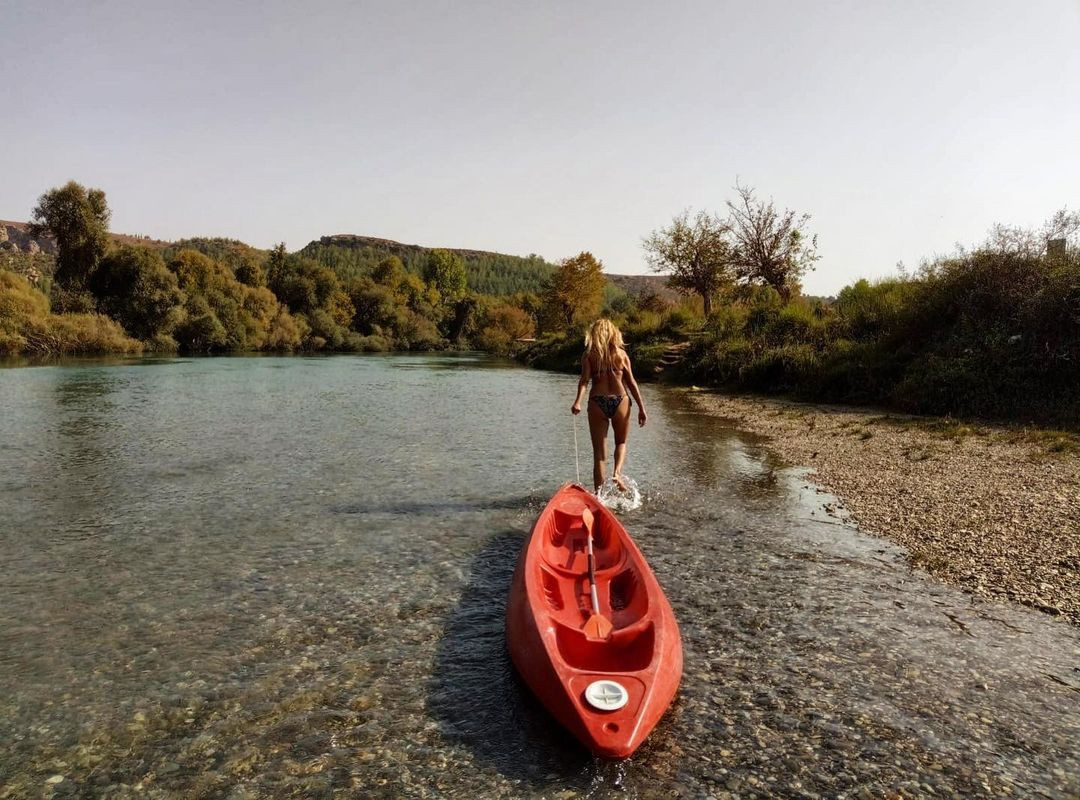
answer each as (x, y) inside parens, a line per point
(548, 127)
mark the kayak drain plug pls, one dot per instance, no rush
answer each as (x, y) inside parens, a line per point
(606, 695)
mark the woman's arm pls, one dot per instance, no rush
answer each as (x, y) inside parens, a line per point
(582, 384)
(630, 383)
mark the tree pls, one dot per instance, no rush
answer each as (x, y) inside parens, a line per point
(698, 254)
(1029, 243)
(248, 268)
(770, 246)
(446, 272)
(276, 264)
(576, 291)
(390, 272)
(134, 287)
(78, 218)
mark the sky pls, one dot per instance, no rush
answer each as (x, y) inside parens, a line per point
(550, 127)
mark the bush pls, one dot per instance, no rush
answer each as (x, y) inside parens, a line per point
(870, 310)
(500, 328)
(680, 319)
(373, 344)
(133, 286)
(27, 326)
(83, 334)
(781, 369)
(795, 323)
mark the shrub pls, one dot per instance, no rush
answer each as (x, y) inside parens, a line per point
(27, 326)
(501, 327)
(79, 334)
(373, 344)
(780, 369)
(679, 319)
(133, 286)
(870, 310)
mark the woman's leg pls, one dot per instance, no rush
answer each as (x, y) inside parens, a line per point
(620, 424)
(598, 425)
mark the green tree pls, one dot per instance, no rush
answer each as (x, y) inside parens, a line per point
(446, 272)
(576, 291)
(248, 269)
(771, 247)
(389, 272)
(276, 264)
(314, 292)
(698, 254)
(133, 286)
(78, 218)
(224, 314)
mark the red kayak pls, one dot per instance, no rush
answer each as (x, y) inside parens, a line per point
(606, 665)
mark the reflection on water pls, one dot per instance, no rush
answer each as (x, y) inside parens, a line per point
(262, 577)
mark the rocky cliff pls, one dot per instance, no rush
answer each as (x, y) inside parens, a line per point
(15, 238)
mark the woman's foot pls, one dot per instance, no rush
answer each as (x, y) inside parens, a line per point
(620, 483)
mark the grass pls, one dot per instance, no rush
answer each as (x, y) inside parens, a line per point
(945, 427)
(1048, 441)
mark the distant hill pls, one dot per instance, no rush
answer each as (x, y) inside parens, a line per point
(348, 255)
(641, 285)
(488, 273)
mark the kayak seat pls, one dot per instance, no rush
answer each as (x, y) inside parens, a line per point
(565, 543)
(626, 650)
(627, 598)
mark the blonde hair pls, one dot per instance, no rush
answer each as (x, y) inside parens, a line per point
(603, 341)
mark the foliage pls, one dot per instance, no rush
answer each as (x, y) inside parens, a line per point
(78, 218)
(697, 253)
(771, 247)
(133, 286)
(27, 326)
(500, 327)
(994, 331)
(445, 272)
(37, 267)
(221, 313)
(991, 332)
(247, 263)
(485, 273)
(575, 293)
(314, 294)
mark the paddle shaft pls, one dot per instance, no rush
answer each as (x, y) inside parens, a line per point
(592, 576)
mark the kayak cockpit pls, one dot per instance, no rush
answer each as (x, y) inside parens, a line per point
(563, 575)
(565, 540)
(626, 650)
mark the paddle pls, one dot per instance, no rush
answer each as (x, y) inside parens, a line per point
(598, 626)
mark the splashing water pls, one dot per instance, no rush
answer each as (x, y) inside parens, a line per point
(616, 499)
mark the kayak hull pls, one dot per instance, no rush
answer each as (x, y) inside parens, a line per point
(548, 607)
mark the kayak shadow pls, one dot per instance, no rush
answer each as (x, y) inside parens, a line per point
(476, 695)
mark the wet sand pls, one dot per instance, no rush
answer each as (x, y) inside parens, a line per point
(993, 510)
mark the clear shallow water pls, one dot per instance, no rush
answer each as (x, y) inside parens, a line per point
(275, 577)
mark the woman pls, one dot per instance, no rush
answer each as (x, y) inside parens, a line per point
(607, 365)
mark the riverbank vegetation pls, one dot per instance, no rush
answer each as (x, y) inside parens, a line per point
(991, 331)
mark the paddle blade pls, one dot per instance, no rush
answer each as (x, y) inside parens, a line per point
(587, 518)
(598, 627)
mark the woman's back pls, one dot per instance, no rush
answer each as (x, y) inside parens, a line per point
(607, 379)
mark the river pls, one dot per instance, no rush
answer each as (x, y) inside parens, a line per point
(285, 577)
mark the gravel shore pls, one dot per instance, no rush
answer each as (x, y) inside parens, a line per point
(994, 510)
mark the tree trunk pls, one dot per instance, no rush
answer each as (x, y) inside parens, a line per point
(707, 299)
